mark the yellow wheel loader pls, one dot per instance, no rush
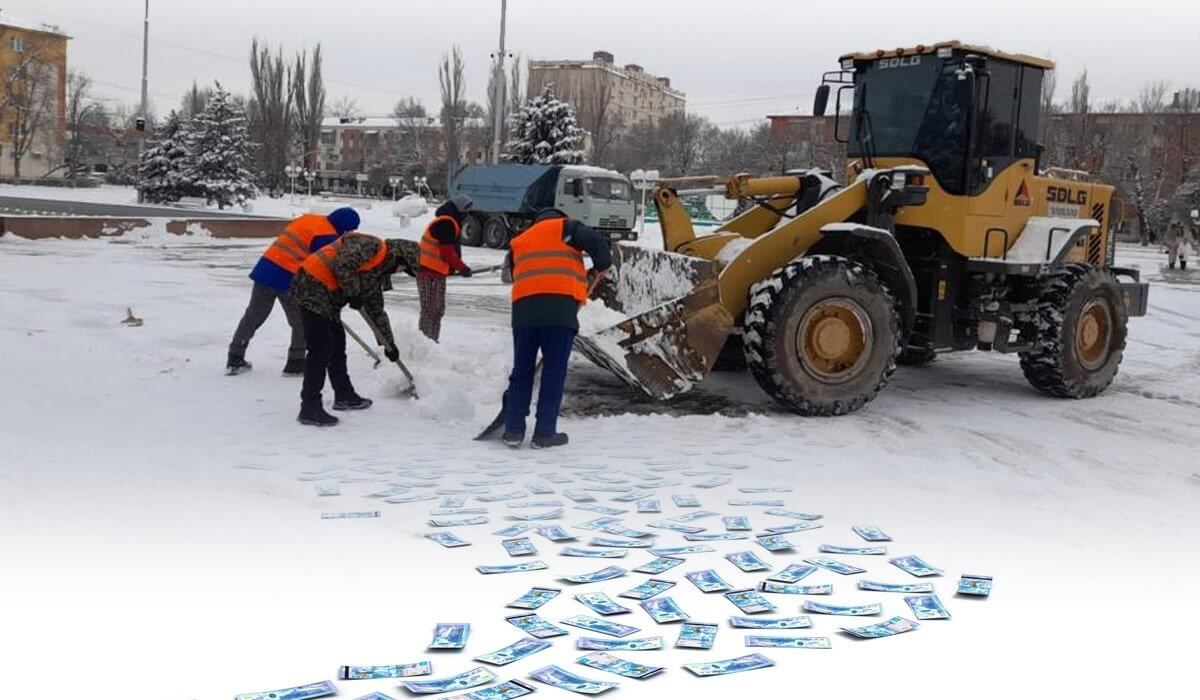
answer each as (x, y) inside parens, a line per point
(948, 235)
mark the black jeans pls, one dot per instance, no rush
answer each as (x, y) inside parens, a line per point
(262, 300)
(326, 340)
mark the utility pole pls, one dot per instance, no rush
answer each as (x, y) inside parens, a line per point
(498, 91)
(145, 85)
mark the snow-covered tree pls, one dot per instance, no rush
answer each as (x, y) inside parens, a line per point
(220, 149)
(545, 132)
(163, 170)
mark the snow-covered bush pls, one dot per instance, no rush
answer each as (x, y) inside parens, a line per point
(162, 171)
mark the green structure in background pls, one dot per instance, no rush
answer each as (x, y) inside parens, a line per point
(697, 209)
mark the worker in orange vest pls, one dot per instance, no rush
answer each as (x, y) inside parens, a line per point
(441, 255)
(550, 284)
(355, 270)
(272, 277)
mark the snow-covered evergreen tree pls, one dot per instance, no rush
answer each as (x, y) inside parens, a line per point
(220, 149)
(545, 132)
(163, 170)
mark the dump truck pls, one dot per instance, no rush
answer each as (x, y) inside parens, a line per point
(508, 196)
(947, 235)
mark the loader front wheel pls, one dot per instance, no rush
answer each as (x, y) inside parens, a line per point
(822, 335)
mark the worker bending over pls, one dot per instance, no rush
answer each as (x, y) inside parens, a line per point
(441, 255)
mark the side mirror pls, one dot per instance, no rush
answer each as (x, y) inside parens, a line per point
(821, 101)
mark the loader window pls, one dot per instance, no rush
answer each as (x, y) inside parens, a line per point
(1030, 111)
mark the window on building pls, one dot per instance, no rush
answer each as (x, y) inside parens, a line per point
(17, 44)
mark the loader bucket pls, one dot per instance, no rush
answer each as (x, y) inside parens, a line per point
(677, 324)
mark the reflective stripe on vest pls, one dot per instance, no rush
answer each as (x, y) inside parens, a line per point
(320, 263)
(544, 264)
(431, 251)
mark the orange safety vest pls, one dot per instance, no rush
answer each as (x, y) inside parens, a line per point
(544, 264)
(295, 243)
(431, 252)
(320, 263)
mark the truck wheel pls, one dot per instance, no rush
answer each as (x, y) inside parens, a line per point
(496, 233)
(1080, 337)
(472, 231)
(822, 335)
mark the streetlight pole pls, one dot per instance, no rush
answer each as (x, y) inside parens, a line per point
(145, 85)
(498, 91)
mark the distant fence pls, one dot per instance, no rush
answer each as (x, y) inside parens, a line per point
(37, 227)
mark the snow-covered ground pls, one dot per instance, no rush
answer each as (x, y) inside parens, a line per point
(159, 545)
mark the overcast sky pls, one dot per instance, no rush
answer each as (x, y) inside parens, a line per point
(736, 61)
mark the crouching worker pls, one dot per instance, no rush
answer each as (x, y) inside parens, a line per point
(441, 255)
(549, 285)
(272, 276)
(355, 271)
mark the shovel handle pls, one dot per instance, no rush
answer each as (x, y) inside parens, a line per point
(362, 344)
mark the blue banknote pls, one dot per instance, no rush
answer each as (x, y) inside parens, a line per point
(535, 626)
(771, 623)
(887, 628)
(774, 543)
(597, 523)
(544, 503)
(676, 551)
(329, 489)
(350, 516)
(450, 635)
(555, 533)
(447, 539)
(712, 482)
(788, 642)
(871, 533)
(535, 598)
(619, 542)
(548, 515)
(798, 526)
(827, 609)
(716, 537)
(793, 573)
(794, 514)
(488, 482)
(579, 496)
(749, 662)
(604, 661)
(915, 565)
(603, 510)
(649, 589)
(649, 505)
(358, 673)
(468, 679)
(765, 503)
(975, 584)
(708, 581)
(766, 489)
(927, 607)
(663, 610)
(459, 522)
(560, 678)
(593, 624)
(502, 691)
(410, 498)
(747, 561)
(601, 604)
(685, 500)
(514, 530)
(592, 553)
(512, 568)
(458, 511)
(696, 635)
(676, 527)
(506, 496)
(834, 565)
(646, 644)
(609, 572)
(538, 489)
(635, 495)
(836, 549)
(749, 601)
(693, 517)
(659, 565)
(526, 646)
(555, 478)
(896, 587)
(735, 522)
(377, 696)
(622, 531)
(300, 692)
(519, 547)
(454, 501)
(794, 588)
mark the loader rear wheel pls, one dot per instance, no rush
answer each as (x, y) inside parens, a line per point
(822, 335)
(1080, 337)
(472, 231)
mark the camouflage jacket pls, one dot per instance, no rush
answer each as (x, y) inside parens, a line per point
(366, 287)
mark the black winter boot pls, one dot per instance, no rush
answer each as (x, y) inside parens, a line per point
(513, 440)
(555, 440)
(236, 364)
(294, 367)
(313, 413)
(354, 402)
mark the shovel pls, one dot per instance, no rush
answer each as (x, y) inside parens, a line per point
(412, 384)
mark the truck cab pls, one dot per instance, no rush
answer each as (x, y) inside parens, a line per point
(602, 199)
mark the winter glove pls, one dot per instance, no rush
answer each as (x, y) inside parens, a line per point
(465, 272)
(391, 353)
(354, 303)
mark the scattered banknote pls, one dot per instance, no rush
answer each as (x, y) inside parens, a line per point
(604, 661)
(799, 526)
(659, 565)
(447, 539)
(696, 635)
(523, 505)
(512, 568)
(593, 624)
(555, 533)
(766, 489)
(676, 527)
(535, 598)
(381, 696)
(827, 609)
(459, 522)
(468, 679)
(357, 673)
(712, 482)
(649, 589)
(605, 478)
(579, 496)
(771, 623)
(896, 587)
(834, 565)
(835, 549)
(915, 566)
(488, 482)
(300, 692)
(871, 533)
(676, 551)
(721, 668)
(514, 530)
(548, 515)
(774, 543)
(636, 495)
(350, 516)
(764, 503)
(601, 604)
(975, 584)
(535, 626)
(526, 646)
(796, 515)
(788, 642)
(603, 510)
(411, 497)
(555, 478)
(887, 628)
(708, 581)
(685, 500)
(646, 644)
(747, 561)
(794, 588)
(715, 537)
(561, 678)
(622, 531)
(598, 523)
(454, 501)
(693, 517)
(619, 542)
(793, 573)
(663, 610)
(927, 607)
(538, 489)
(519, 547)
(750, 602)
(329, 489)
(592, 553)
(450, 635)
(458, 511)
(389, 492)
(503, 691)
(650, 505)
(736, 522)
(604, 574)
